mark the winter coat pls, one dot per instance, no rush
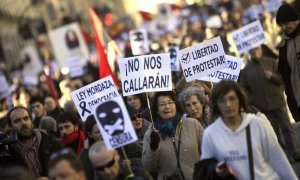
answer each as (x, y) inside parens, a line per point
(163, 160)
(265, 94)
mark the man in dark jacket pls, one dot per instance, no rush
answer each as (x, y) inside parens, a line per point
(289, 56)
(264, 86)
(34, 146)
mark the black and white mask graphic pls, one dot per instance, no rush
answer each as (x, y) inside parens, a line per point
(110, 116)
(173, 55)
(138, 36)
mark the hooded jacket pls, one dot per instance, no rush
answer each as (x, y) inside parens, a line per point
(229, 146)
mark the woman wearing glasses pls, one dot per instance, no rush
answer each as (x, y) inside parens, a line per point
(226, 139)
(172, 147)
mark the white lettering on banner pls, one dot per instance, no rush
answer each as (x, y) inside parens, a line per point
(232, 71)
(95, 93)
(248, 37)
(202, 59)
(145, 74)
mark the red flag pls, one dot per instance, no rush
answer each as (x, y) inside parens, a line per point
(104, 68)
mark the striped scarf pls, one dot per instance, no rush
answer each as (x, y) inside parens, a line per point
(30, 153)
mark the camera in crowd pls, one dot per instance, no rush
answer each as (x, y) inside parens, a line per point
(6, 139)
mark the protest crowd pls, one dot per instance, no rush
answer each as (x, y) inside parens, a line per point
(207, 91)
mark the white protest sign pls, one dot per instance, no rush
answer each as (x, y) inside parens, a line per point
(4, 86)
(272, 5)
(139, 42)
(68, 41)
(202, 59)
(31, 80)
(148, 73)
(31, 60)
(75, 66)
(248, 37)
(93, 94)
(214, 22)
(230, 73)
(173, 53)
(114, 123)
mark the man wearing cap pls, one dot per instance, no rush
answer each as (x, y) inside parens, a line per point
(289, 56)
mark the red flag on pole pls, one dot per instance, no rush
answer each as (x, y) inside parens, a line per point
(104, 68)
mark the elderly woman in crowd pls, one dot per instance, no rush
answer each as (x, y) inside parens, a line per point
(172, 146)
(195, 104)
(225, 139)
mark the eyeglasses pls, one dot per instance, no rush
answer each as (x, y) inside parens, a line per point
(231, 99)
(109, 164)
(169, 103)
(61, 152)
(134, 117)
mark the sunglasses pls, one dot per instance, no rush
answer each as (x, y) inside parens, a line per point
(139, 115)
(109, 164)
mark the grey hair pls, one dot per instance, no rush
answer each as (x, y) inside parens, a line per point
(48, 123)
(188, 92)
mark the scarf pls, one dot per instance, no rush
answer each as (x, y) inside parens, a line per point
(167, 128)
(76, 137)
(30, 152)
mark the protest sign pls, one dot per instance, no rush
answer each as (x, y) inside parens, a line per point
(202, 59)
(272, 5)
(68, 41)
(139, 42)
(4, 84)
(248, 37)
(231, 72)
(214, 21)
(173, 53)
(31, 60)
(93, 94)
(30, 80)
(114, 123)
(75, 66)
(148, 73)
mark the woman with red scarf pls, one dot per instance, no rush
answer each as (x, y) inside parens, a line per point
(70, 128)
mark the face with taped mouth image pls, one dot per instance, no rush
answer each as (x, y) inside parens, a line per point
(110, 116)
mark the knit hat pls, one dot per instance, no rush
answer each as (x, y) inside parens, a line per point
(286, 13)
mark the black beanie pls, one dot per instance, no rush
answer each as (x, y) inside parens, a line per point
(286, 13)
